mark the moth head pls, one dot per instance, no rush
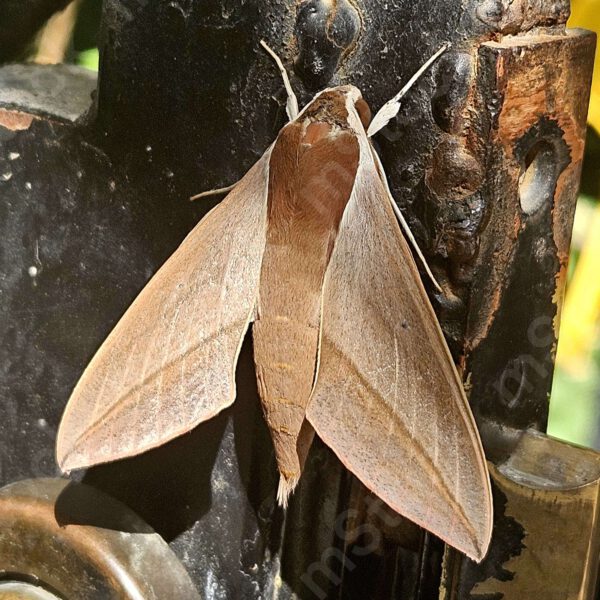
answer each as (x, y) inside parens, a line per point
(360, 105)
(344, 104)
(355, 103)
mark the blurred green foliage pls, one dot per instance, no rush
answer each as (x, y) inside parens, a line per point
(575, 400)
(85, 34)
(88, 59)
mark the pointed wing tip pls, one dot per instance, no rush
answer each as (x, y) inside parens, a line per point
(476, 548)
(70, 456)
(477, 538)
(483, 545)
(478, 551)
(65, 465)
(75, 460)
(68, 459)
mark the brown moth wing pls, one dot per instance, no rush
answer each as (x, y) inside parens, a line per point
(169, 364)
(387, 398)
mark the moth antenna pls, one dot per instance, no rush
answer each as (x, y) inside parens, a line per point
(292, 101)
(405, 227)
(408, 233)
(286, 487)
(215, 192)
(390, 109)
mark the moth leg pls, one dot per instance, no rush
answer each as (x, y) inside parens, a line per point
(403, 224)
(390, 109)
(215, 192)
(292, 101)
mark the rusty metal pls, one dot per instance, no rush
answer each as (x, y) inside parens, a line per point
(520, 164)
(536, 89)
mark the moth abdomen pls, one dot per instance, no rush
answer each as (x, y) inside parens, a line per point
(312, 171)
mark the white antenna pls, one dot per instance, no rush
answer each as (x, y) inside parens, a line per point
(390, 109)
(292, 101)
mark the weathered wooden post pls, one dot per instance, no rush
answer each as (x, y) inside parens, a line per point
(484, 160)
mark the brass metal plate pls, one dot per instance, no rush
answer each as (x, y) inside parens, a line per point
(78, 542)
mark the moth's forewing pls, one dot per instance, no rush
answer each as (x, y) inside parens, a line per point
(169, 364)
(387, 398)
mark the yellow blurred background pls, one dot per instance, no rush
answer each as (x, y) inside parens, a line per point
(575, 400)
